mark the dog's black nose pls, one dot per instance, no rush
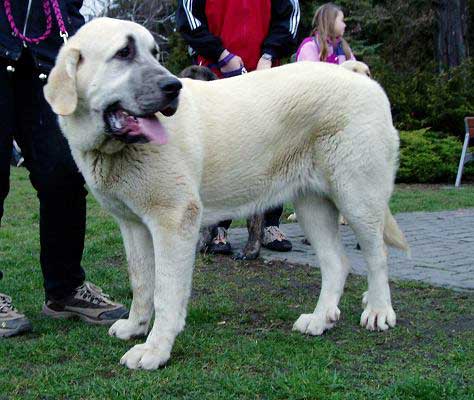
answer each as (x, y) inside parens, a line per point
(170, 86)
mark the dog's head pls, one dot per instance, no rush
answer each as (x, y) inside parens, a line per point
(198, 72)
(108, 81)
(357, 67)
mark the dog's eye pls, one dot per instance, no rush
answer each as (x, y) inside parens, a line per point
(126, 53)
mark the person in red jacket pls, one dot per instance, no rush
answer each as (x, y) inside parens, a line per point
(233, 37)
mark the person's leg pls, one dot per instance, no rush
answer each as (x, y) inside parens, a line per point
(62, 197)
(11, 321)
(273, 237)
(272, 217)
(59, 185)
(7, 128)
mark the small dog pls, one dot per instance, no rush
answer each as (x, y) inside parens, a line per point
(252, 248)
(357, 66)
(198, 72)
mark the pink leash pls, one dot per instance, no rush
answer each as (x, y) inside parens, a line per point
(49, 21)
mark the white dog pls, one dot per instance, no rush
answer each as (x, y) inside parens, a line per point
(360, 68)
(311, 133)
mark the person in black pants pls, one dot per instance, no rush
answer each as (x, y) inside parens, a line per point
(26, 117)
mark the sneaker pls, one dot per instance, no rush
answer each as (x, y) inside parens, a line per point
(11, 321)
(219, 244)
(88, 303)
(274, 239)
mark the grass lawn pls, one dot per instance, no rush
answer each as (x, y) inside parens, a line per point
(238, 342)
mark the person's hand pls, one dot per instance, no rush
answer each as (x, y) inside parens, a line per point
(264, 63)
(234, 64)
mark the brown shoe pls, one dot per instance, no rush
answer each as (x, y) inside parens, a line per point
(220, 244)
(88, 303)
(11, 321)
(274, 239)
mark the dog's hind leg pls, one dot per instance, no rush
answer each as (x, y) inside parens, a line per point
(175, 234)
(252, 248)
(319, 219)
(368, 225)
(140, 257)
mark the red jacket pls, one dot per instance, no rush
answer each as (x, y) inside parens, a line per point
(247, 28)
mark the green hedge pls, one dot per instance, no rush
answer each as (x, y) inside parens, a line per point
(426, 99)
(430, 157)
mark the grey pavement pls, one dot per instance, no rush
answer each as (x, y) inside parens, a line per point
(442, 246)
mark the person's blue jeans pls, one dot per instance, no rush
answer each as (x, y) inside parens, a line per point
(26, 117)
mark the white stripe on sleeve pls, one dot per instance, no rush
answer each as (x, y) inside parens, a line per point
(194, 23)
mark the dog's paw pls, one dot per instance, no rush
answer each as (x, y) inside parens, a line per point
(143, 356)
(246, 256)
(377, 318)
(316, 324)
(124, 329)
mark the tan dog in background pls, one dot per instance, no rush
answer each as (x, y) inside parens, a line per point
(357, 66)
(311, 133)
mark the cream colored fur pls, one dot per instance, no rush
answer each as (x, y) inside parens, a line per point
(311, 133)
(357, 66)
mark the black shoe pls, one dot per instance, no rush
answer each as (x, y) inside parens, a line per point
(274, 239)
(219, 244)
(88, 303)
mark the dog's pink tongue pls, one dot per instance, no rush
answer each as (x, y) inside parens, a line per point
(152, 129)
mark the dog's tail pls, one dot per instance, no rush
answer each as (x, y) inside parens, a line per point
(393, 235)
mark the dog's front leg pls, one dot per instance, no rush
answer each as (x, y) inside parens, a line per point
(140, 256)
(175, 236)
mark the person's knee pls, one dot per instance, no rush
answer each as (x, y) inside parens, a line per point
(65, 184)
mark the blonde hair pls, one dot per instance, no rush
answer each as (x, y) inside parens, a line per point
(323, 24)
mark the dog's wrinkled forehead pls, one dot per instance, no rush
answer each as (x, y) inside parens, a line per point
(110, 35)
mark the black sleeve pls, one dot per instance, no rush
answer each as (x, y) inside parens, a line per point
(283, 28)
(191, 22)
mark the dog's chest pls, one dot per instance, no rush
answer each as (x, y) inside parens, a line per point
(114, 204)
(108, 189)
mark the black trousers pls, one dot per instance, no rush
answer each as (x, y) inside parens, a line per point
(26, 117)
(270, 218)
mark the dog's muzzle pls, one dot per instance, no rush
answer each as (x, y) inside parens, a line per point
(145, 126)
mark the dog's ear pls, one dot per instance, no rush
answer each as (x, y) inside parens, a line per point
(60, 91)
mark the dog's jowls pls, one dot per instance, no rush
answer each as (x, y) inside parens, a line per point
(313, 133)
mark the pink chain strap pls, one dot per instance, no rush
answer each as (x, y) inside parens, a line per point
(49, 21)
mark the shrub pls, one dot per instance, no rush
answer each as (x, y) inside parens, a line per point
(430, 157)
(427, 99)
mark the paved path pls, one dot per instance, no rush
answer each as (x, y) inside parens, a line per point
(442, 245)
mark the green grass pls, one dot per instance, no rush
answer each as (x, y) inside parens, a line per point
(238, 342)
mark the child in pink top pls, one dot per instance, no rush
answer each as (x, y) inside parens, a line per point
(326, 42)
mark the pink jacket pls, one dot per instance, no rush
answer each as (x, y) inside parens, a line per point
(309, 51)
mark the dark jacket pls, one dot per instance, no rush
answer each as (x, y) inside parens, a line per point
(46, 51)
(247, 28)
